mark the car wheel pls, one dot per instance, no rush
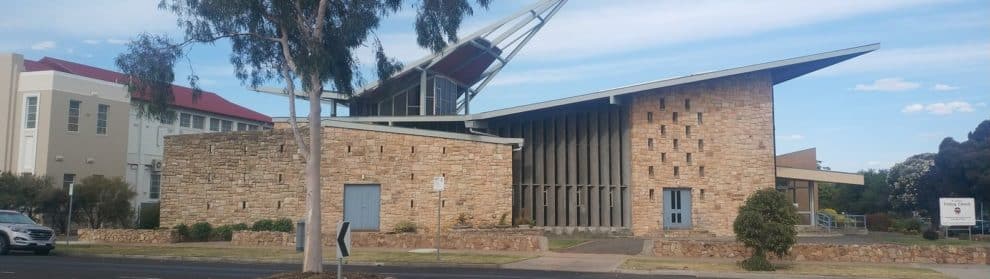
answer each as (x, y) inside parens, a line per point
(42, 252)
(4, 245)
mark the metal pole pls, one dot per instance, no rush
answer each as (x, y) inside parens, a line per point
(68, 222)
(439, 203)
(340, 268)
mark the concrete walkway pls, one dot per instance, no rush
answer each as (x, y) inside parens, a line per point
(962, 271)
(571, 262)
(617, 246)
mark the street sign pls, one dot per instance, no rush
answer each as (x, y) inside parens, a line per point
(438, 184)
(71, 187)
(957, 211)
(343, 239)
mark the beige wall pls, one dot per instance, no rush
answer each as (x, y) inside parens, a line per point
(10, 67)
(738, 155)
(226, 169)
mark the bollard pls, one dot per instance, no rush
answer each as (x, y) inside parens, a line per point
(300, 235)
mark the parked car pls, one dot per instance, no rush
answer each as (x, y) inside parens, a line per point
(19, 232)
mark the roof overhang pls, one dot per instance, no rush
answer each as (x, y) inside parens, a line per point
(422, 132)
(820, 176)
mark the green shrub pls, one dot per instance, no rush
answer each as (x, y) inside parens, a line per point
(200, 231)
(148, 218)
(766, 224)
(878, 222)
(836, 217)
(404, 227)
(263, 225)
(907, 225)
(239, 227)
(224, 233)
(282, 225)
(182, 230)
(930, 235)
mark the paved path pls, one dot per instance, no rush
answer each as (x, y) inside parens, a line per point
(571, 262)
(616, 246)
(961, 271)
(56, 267)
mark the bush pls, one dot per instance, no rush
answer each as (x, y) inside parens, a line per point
(239, 227)
(404, 227)
(263, 225)
(182, 230)
(907, 225)
(930, 235)
(878, 222)
(148, 218)
(282, 225)
(200, 231)
(224, 233)
(766, 224)
(836, 217)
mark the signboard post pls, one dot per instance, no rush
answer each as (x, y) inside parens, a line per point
(956, 212)
(343, 245)
(438, 185)
(68, 222)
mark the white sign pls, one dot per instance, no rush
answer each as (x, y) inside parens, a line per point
(343, 239)
(438, 184)
(71, 187)
(957, 211)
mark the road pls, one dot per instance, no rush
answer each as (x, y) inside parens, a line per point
(56, 267)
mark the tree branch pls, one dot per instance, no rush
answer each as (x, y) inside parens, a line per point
(291, 90)
(320, 14)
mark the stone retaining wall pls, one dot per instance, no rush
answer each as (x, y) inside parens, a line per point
(489, 241)
(867, 253)
(129, 236)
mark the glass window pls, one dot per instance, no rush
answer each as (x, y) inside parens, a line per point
(102, 113)
(687, 104)
(242, 127)
(663, 104)
(68, 179)
(168, 119)
(74, 116)
(226, 125)
(214, 124)
(185, 120)
(31, 119)
(155, 189)
(252, 127)
(198, 121)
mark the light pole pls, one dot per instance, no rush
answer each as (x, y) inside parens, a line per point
(68, 222)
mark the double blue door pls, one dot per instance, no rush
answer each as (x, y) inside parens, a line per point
(362, 206)
(677, 208)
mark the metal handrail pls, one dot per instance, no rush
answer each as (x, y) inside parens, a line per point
(855, 221)
(824, 220)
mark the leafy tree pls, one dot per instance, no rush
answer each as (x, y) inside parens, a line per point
(304, 42)
(905, 179)
(872, 197)
(102, 201)
(961, 169)
(766, 224)
(149, 216)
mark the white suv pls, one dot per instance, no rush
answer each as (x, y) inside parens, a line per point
(19, 232)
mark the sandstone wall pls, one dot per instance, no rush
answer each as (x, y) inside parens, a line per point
(737, 152)
(867, 253)
(489, 241)
(229, 178)
(129, 236)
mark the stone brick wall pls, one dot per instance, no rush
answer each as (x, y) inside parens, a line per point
(737, 152)
(489, 241)
(129, 236)
(229, 178)
(868, 253)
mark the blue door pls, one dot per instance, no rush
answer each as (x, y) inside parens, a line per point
(362, 206)
(677, 208)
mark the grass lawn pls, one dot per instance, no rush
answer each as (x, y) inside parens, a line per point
(282, 253)
(560, 244)
(810, 268)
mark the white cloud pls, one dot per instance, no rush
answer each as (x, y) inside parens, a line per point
(92, 42)
(888, 84)
(940, 108)
(45, 45)
(793, 137)
(944, 87)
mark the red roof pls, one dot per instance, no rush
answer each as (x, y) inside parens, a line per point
(207, 101)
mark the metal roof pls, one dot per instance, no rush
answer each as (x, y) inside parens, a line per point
(781, 71)
(422, 132)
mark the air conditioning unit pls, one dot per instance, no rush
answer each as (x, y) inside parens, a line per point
(156, 165)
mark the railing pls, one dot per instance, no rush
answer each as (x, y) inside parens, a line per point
(855, 222)
(824, 221)
(982, 227)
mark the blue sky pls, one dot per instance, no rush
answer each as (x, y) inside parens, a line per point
(929, 80)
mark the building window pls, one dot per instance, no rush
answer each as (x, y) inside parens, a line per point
(155, 190)
(650, 171)
(663, 130)
(701, 145)
(185, 120)
(31, 117)
(687, 104)
(700, 120)
(674, 118)
(663, 157)
(242, 127)
(651, 194)
(649, 143)
(168, 119)
(102, 112)
(226, 125)
(687, 157)
(198, 121)
(649, 117)
(214, 124)
(675, 144)
(252, 127)
(74, 116)
(663, 104)
(687, 131)
(68, 179)
(701, 171)
(677, 171)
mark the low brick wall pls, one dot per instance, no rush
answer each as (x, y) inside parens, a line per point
(476, 240)
(866, 253)
(129, 236)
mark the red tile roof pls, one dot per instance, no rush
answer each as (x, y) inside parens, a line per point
(207, 101)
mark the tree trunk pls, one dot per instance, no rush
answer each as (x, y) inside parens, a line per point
(313, 258)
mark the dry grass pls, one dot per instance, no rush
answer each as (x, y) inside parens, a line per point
(823, 269)
(281, 253)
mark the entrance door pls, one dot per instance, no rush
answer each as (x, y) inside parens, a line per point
(677, 208)
(362, 206)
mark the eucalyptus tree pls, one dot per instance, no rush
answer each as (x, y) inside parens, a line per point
(305, 45)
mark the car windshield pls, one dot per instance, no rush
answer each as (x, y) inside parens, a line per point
(14, 218)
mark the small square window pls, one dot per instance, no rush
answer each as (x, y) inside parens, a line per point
(663, 130)
(198, 121)
(701, 145)
(185, 120)
(674, 118)
(663, 157)
(649, 144)
(701, 172)
(651, 194)
(687, 157)
(675, 144)
(663, 104)
(650, 171)
(700, 119)
(687, 131)
(687, 104)
(677, 171)
(649, 117)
